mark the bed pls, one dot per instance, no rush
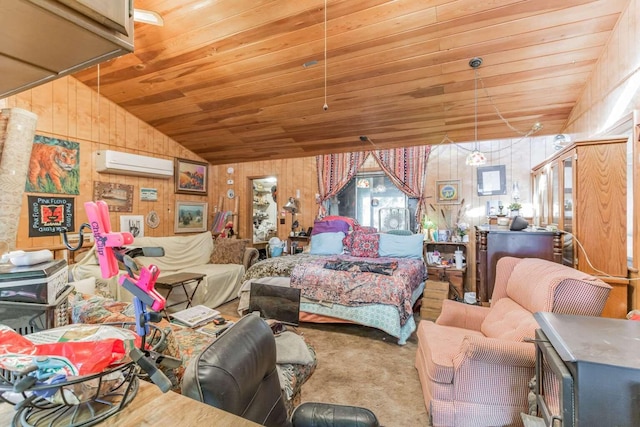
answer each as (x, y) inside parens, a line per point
(377, 292)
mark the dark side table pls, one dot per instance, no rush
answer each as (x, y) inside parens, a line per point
(172, 281)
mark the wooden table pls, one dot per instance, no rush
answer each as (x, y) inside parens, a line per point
(179, 280)
(150, 407)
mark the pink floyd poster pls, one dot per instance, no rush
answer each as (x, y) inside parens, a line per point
(48, 215)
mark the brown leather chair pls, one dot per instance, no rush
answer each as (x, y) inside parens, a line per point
(237, 373)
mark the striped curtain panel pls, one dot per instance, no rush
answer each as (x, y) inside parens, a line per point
(334, 172)
(407, 169)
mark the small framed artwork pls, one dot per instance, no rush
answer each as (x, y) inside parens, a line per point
(191, 177)
(148, 194)
(492, 180)
(133, 224)
(191, 217)
(119, 197)
(448, 192)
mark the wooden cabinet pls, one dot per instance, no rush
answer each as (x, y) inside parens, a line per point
(446, 271)
(493, 243)
(582, 190)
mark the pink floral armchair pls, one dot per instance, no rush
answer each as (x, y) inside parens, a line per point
(473, 363)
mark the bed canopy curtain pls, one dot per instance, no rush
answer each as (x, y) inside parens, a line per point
(334, 172)
(406, 167)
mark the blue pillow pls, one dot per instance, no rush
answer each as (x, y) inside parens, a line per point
(327, 243)
(392, 245)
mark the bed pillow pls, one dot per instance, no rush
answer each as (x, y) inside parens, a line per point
(365, 245)
(327, 243)
(351, 221)
(320, 227)
(228, 251)
(392, 245)
(365, 229)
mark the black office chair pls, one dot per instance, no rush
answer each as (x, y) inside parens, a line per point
(237, 373)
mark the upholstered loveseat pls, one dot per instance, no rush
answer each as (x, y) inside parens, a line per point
(223, 262)
(473, 362)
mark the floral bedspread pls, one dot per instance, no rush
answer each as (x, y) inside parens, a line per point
(357, 288)
(279, 266)
(350, 288)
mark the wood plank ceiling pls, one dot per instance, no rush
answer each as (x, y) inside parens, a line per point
(227, 78)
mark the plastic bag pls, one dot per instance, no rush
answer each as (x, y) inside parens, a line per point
(89, 348)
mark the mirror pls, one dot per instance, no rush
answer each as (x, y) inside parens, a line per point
(264, 208)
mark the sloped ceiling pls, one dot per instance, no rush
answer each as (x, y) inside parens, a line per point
(245, 80)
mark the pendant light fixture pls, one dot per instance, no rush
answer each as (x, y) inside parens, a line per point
(476, 157)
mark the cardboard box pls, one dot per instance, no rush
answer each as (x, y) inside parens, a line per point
(434, 293)
(40, 283)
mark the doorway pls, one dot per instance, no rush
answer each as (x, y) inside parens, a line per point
(263, 206)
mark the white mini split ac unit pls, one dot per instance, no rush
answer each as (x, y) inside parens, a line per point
(109, 161)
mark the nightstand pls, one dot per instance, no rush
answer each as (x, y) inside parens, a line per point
(296, 244)
(447, 272)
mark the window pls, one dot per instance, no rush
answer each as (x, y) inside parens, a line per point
(374, 200)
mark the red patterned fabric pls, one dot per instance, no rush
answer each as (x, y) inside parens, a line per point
(364, 229)
(473, 363)
(365, 245)
(359, 230)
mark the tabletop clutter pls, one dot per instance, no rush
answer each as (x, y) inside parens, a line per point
(58, 368)
(457, 260)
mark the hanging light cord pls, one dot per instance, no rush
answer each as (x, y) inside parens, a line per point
(475, 105)
(325, 55)
(536, 127)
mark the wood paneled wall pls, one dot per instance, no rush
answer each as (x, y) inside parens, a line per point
(611, 92)
(69, 110)
(447, 162)
(292, 174)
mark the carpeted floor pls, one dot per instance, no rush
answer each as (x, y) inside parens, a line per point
(362, 366)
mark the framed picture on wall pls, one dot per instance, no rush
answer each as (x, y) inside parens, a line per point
(448, 192)
(191, 217)
(190, 177)
(133, 224)
(492, 180)
(119, 197)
